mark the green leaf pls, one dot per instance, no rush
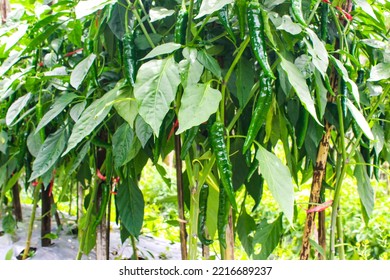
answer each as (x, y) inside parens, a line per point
(244, 81)
(198, 103)
(85, 8)
(49, 153)
(155, 89)
(278, 179)
(190, 68)
(166, 48)
(322, 92)
(123, 142)
(3, 141)
(81, 70)
(91, 118)
(80, 156)
(15, 37)
(142, 130)
(130, 206)
(9, 224)
(245, 226)
(317, 246)
(318, 52)
(9, 254)
(268, 235)
(210, 6)
(210, 63)
(77, 110)
(157, 13)
(381, 71)
(58, 106)
(379, 135)
(9, 62)
(16, 107)
(298, 82)
(127, 107)
(363, 4)
(365, 190)
(344, 73)
(34, 143)
(360, 120)
(285, 23)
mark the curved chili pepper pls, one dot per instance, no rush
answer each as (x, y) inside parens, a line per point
(296, 6)
(189, 138)
(103, 205)
(303, 122)
(222, 159)
(203, 197)
(180, 31)
(260, 112)
(223, 217)
(257, 35)
(241, 8)
(129, 57)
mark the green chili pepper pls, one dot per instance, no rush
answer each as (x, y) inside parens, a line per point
(365, 151)
(376, 164)
(260, 111)
(296, 6)
(360, 77)
(241, 8)
(180, 32)
(223, 217)
(303, 122)
(189, 138)
(257, 35)
(343, 96)
(203, 196)
(324, 21)
(129, 57)
(223, 163)
(224, 19)
(181, 27)
(103, 205)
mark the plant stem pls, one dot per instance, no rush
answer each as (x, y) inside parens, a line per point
(337, 194)
(31, 224)
(194, 210)
(340, 234)
(180, 198)
(134, 247)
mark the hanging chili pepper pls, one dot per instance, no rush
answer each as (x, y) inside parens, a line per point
(223, 217)
(303, 122)
(241, 8)
(223, 163)
(296, 6)
(180, 31)
(376, 165)
(224, 19)
(343, 96)
(189, 138)
(181, 27)
(260, 111)
(103, 205)
(257, 35)
(129, 57)
(324, 21)
(203, 197)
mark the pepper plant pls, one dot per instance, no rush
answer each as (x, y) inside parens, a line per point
(248, 95)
